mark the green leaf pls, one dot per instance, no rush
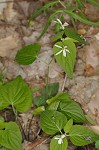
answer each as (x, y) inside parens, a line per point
(2, 125)
(67, 63)
(54, 102)
(38, 110)
(35, 88)
(66, 105)
(74, 35)
(58, 36)
(97, 145)
(68, 126)
(89, 119)
(80, 4)
(50, 90)
(11, 137)
(54, 145)
(43, 8)
(94, 2)
(39, 100)
(81, 136)
(1, 119)
(81, 19)
(52, 121)
(53, 106)
(1, 133)
(49, 22)
(16, 93)
(47, 92)
(59, 97)
(72, 110)
(28, 54)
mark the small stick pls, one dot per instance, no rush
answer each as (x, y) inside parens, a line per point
(38, 142)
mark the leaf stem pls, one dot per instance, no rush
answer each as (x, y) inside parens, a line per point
(64, 82)
(48, 69)
(15, 112)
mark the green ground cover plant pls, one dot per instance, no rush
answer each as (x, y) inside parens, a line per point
(60, 116)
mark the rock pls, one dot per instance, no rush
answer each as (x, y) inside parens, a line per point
(10, 41)
(33, 6)
(9, 12)
(1, 65)
(82, 88)
(97, 36)
(33, 38)
(24, 5)
(92, 58)
(93, 105)
(6, 45)
(54, 70)
(13, 70)
(92, 12)
(39, 67)
(2, 6)
(42, 147)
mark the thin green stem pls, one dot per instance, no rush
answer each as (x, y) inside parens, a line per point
(15, 112)
(74, 24)
(48, 69)
(64, 82)
(62, 3)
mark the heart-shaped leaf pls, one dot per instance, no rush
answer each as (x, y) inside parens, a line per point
(72, 110)
(68, 126)
(16, 93)
(73, 34)
(59, 143)
(97, 145)
(52, 121)
(59, 97)
(28, 54)
(47, 92)
(11, 137)
(81, 136)
(65, 55)
(53, 106)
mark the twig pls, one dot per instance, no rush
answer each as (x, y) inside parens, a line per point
(38, 142)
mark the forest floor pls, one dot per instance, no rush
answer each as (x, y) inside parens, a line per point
(15, 33)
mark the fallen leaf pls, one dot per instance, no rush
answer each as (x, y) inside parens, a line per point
(92, 58)
(93, 105)
(95, 129)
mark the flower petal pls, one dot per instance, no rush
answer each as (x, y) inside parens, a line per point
(56, 138)
(60, 141)
(65, 24)
(64, 53)
(58, 46)
(63, 136)
(58, 52)
(59, 21)
(67, 50)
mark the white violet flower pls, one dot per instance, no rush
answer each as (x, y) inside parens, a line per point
(63, 50)
(60, 139)
(62, 25)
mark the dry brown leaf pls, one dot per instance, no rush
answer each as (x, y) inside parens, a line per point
(92, 12)
(94, 105)
(92, 58)
(95, 129)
